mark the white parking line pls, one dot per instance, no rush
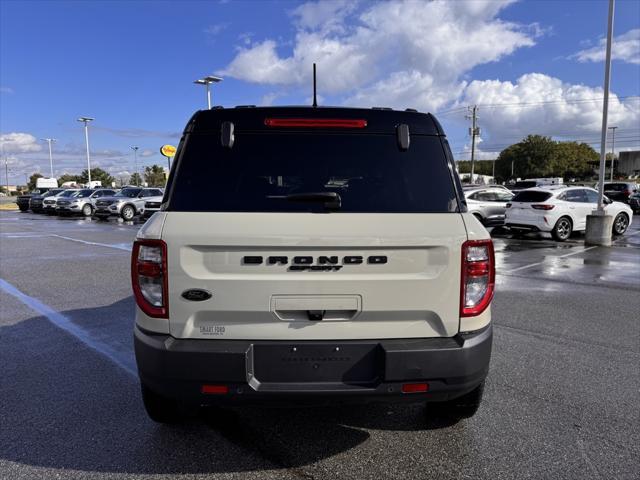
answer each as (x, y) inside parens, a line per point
(123, 361)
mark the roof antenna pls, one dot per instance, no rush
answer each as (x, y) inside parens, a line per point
(315, 102)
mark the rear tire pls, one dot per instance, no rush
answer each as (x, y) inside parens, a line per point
(465, 406)
(160, 409)
(562, 229)
(23, 209)
(620, 224)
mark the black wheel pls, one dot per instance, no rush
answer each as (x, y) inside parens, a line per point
(620, 224)
(87, 210)
(159, 408)
(23, 209)
(465, 406)
(127, 213)
(562, 229)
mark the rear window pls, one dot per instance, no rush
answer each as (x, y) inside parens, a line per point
(368, 172)
(530, 196)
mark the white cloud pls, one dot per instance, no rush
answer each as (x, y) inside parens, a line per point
(147, 152)
(213, 30)
(413, 45)
(18, 142)
(625, 47)
(541, 104)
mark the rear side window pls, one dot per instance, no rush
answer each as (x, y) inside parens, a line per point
(615, 187)
(369, 172)
(526, 184)
(531, 196)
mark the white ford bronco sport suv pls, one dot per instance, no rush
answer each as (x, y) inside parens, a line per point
(307, 255)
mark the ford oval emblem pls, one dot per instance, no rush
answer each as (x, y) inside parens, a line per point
(196, 295)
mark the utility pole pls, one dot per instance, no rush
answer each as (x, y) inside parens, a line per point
(6, 172)
(473, 131)
(50, 141)
(135, 154)
(613, 147)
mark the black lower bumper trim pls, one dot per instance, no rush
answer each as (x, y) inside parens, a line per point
(177, 368)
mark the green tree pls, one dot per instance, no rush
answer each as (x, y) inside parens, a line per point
(135, 179)
(96, 174)
(538, 156)
(66, 177)
(573, 160)
(154, 176)
(31, 184)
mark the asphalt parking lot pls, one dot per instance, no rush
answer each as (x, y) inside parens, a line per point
(561, 399)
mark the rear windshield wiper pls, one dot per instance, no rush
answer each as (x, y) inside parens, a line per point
(331, 200)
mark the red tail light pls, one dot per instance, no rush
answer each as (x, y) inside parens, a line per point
(542, 206)
(415, 387)
(478, 277)
(627, 193)
(215, 389)
(149, 277)
(315, 122)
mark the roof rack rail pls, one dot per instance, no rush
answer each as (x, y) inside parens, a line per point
(245, 106)
(381, 108)
(410, 110)
(217, 107)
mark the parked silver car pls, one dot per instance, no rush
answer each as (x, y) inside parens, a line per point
(151, 206)
(127, 203)
(82, 201)
(49, 204)
(488, 204)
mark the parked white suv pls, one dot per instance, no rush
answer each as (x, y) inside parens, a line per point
(561, 211)
(311, 255)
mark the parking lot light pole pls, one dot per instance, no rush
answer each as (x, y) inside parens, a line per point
(50, 141)
(599, 224)
(135, 156)
(207, 81)
(86, 121)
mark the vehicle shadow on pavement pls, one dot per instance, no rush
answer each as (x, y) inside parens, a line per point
(64, 406)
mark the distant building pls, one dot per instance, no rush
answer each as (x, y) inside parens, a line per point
(629, 162)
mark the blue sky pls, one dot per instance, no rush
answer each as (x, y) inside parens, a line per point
(533, 67)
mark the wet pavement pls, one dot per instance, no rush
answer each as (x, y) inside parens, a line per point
(561, 398)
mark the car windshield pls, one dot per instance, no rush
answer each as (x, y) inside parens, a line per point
(68, 193)
(525, 184)
(128, 192)
(302, 172)
(530, 196)
(83, 193)
(50, 193)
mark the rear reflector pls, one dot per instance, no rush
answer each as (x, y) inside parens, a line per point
(415, 387)
(215, 389)
(315, 122)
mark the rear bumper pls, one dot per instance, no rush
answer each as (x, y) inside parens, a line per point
(178, 368)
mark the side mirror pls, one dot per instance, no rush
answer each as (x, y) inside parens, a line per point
(607, 200)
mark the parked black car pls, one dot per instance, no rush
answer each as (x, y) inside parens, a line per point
(620, 191)
(24, 201)
(634, 202)
(36, 201)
